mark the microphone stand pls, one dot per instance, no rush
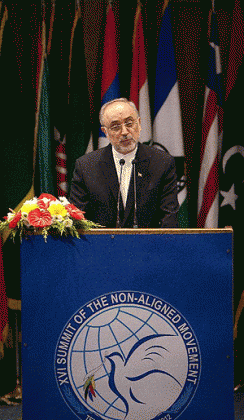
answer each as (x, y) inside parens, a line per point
(121, 162)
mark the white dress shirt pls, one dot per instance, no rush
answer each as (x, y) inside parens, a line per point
(126, 171)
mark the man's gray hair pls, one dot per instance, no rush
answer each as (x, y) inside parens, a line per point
(102, 110)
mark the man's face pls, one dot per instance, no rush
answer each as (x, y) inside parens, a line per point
(122, 126)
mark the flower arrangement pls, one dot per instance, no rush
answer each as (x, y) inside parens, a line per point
(46, 214)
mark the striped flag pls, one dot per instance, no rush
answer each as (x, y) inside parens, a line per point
(139, 92)
(167, 125)
(61, 170)
(110, 72)
(212, 130)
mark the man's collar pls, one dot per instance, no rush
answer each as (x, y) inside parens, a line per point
(128, 157)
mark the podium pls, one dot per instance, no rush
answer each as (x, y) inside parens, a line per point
(128, 324)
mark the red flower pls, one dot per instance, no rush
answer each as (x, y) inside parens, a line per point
(45, 204)
(75, 212)
(39, 218)
(48, 196)
(42, 204)
(14, 221)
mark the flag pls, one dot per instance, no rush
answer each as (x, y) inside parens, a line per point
(79, 126)
(58, 50)
(42, 137)
(212, 130)
(139, 92)
(110, 72)
(232, 176)
(231, 208)
(231, 179)
(58, 64)
(232, 158)
(167, 125)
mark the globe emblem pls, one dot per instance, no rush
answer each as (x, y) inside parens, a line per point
(127, 361)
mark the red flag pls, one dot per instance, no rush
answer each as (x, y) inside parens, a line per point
(139, 92)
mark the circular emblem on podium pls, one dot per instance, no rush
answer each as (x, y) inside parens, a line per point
(127, 355)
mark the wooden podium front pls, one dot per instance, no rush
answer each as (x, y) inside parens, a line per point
(128, 324)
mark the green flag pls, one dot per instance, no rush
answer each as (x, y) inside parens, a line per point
(44, 138)
(43, 174)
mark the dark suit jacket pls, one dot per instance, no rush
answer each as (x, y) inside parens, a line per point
(94, 189)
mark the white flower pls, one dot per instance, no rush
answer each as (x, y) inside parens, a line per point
(45, 200)
(68, 222)
(26, 223)
(63, 201)
(57, 218)
(32, 201)
(10, 216)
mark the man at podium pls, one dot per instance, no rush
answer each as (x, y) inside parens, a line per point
(126, 184)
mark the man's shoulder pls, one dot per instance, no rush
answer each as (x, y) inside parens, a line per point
(94, 156)
(156, 152)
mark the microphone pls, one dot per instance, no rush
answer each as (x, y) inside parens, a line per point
(121, 162)
(135, 222)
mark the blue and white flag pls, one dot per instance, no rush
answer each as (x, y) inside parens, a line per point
(167, 126)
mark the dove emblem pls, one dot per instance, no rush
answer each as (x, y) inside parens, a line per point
(128, 360)
(148, 380)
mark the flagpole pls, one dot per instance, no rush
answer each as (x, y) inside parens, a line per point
(138, 11)
(51, 28)
(166, 2)
(3, 21)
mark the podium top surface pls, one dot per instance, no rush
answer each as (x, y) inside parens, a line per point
(131, 231)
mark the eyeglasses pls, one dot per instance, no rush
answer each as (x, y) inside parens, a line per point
(117, 128)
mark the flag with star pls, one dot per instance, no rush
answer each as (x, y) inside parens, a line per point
(232, 159)
(231, 181)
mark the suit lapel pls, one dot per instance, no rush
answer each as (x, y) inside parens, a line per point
(110, 178)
